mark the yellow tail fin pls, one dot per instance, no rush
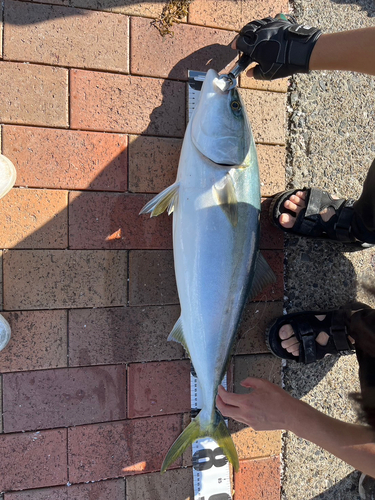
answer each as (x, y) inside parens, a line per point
(216, 430)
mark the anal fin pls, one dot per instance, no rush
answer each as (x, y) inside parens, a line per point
(177, 334)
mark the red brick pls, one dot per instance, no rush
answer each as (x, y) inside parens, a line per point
(271, 238)
(59, 398)
(151, 278)
(271, 168)
(266, 112)
(275, 291)
(34, 219)
(33, 460)
(158, 388)
(258, 479)
(44, 279)
(67, 159)
(38, 341)
(251, 334)
(130, 104)
(102, 220)
(122, 335)
(169, 486)
(153, 163)
(103, 490)
(32, 94)
(191, 47)
(62, 28)
(233, 15)
(101, 451)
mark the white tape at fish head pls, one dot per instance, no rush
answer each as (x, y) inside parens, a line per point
(226, 82)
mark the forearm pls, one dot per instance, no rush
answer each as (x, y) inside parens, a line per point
(347, 50)
(355, 444)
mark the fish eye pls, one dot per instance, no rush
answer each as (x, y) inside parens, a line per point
(235, 105)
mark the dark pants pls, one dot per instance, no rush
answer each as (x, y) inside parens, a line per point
(361, 326)
(364, 209)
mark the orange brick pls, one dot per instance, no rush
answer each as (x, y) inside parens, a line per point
(271, 168)
(144, 8)
(233, 15)
(279, 85)
(258, 479)
(153, 163)
(67, 159)
(1, 280)
(46, 279)
(130, 104)
(34, 219)
(38, 341)
(266, 112)
(33, 95)
(253, 444)
(191, 47)
(58, 40)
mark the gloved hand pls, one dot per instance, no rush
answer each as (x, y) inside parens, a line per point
(281, 47)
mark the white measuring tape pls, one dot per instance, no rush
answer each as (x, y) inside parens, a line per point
(211, 472)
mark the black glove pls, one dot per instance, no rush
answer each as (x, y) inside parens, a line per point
(281, 47)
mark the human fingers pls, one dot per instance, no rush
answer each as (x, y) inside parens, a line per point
(229, 398)
(252, 382)
(228, 410)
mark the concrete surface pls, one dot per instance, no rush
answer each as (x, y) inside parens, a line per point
(331, 144)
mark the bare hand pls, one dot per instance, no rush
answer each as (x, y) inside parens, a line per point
(266, 407)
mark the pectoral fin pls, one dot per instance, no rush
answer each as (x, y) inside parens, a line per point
(263, 276)
(225, 196)
(162, 201)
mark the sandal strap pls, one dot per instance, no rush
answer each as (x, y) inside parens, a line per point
(338, 331)
(344, 222)
(307, 330)
(307, 338)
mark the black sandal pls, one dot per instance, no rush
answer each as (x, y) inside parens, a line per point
(309, 222)
(307, 327)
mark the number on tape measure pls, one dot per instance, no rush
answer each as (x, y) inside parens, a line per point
(206, 458)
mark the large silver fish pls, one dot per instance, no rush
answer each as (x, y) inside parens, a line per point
(216, 205)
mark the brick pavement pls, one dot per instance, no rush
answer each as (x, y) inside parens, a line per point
(92, 112)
